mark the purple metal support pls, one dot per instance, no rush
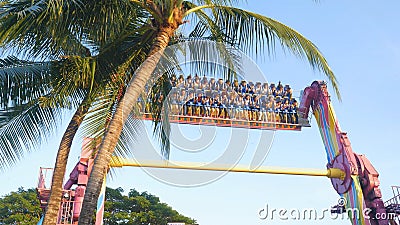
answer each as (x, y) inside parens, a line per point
(71, 203)
(340, 153)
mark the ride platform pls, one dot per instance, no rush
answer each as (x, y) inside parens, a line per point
(227, 122)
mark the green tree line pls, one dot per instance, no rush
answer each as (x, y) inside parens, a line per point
(22, 207)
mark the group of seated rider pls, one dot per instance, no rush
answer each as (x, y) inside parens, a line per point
(211, 97)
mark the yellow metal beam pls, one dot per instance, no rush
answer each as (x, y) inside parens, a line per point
(330, 173)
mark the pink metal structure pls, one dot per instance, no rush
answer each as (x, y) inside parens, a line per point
(393, 205)
(360, 187)
(71, 203)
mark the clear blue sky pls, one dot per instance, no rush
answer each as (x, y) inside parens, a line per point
(360, 40)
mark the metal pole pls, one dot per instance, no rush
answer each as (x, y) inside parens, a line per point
(330, 173)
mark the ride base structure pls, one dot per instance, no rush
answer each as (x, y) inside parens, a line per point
(352, 175)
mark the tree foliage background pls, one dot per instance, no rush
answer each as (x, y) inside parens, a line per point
(138, 209)
(22, 207)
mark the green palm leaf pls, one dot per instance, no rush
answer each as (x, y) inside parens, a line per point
(97, 120)
(25, 132)
(20, 83)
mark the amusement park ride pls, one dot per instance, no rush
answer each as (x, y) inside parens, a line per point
(352, 175)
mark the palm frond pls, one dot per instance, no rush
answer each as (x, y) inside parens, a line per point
(26, 132)
(206, 56)
(102, 22)
(159, 106)
(76, 29)
(120, 48)
(22, 26)
(21, 82)
(97, 120)
(216, 2)
(75, 79)
(7, 115)
(125, 53)
(254, 33)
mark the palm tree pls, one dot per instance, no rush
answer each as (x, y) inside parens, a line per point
(37, 105)
(235, 26)
(75, 80)
(27, 118)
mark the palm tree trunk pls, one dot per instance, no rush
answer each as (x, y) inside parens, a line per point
(124, 108)
(61, 163)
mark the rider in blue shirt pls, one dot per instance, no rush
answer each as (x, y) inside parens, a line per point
(293, 111)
